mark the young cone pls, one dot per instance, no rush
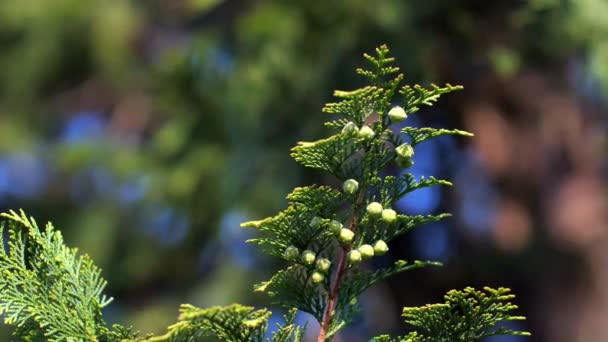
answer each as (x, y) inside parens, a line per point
(397, 114)
(308, 257)
(374, 209)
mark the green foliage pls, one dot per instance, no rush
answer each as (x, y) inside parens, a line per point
(292, 226)
(418, 135)
(46, 290)
(292, 287)
(363, 158)
(415, 96)
(466, 315)
(289, 332)
(50, 293)
(234, 323)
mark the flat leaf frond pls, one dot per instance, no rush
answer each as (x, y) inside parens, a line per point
(46, 288)
(320, 199)
(233, 323)
(378, 230)
(392, 188)
(342, 318)
(415, 96)
(390, 88)
(279, 231)
(466, 315)
(388, 188)
(292, 288)
(411, 184)
(328, 154)
(385, 338)
(336, 125)
(415, 337)
(419, 135)
(289, 331)
(119, 333)
(381, 66)
(291, 227)
(355, 105)
(411, 337)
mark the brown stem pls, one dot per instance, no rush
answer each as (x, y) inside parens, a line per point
(335, 287)
(333, 296)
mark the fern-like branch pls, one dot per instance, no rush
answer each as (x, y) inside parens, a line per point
(466, 315)
(418, 135)
(45, 286)
(415, 96)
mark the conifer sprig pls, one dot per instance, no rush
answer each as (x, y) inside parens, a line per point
(49, 293)
(46, 290)
(351, 226)
(466, 315)
(233, 323)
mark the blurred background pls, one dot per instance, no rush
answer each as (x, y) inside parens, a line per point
(148, 130)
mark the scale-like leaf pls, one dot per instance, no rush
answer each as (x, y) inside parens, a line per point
(419, 135)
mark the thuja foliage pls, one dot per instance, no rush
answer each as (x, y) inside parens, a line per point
(49, 293)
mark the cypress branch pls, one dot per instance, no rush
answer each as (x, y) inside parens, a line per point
(50, 293)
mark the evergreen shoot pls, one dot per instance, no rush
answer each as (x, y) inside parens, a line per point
(325, 236)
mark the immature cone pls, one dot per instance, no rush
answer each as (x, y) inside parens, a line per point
(317, 277)
(397, 114)
(405, 152)
(323, 265)
(335, 227)
(374, 209)
(366, 132)
(389, 215)
(350, 186)
(366, 251)
(308, 257)
(291, 253)
(380, 247)
(354, 257)
(315, 222)
(346, 235)
(350, 128)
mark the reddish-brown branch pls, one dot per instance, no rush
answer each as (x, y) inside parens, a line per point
(333, 296)
(335, 287)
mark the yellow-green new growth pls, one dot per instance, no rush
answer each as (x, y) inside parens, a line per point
(380, 247)
(366, 251)
(46, 285)
(350, 186)
(317, 277)
(397, 114)
(323, 265)
(389, 215)
(354, 257)
(366, 133)
(308, 257)
(374, 209)
(346, 235)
